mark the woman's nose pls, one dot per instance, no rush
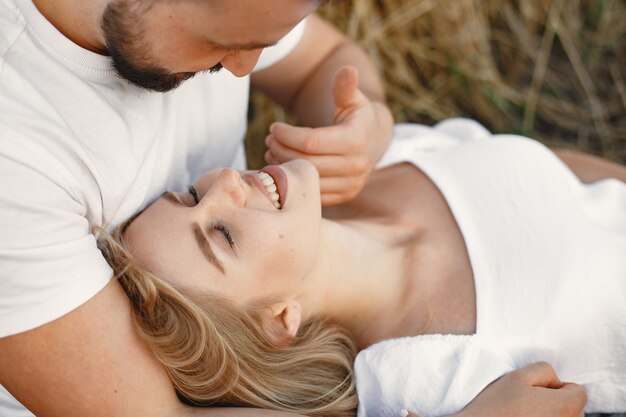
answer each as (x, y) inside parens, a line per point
(241, 62)
(228, 186)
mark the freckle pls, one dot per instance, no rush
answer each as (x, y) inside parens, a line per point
(115, 391)
(280, 236)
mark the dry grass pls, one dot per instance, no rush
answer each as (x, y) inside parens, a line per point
(550, 69)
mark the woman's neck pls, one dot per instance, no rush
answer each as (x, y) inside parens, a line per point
(366, 280)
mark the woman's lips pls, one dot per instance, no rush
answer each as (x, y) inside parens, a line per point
(280, 179)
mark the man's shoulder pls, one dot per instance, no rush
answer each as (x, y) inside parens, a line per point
(11, 25)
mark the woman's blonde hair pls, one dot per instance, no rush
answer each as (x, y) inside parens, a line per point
(217, 353)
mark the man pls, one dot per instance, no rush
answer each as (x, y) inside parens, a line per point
(104, 104)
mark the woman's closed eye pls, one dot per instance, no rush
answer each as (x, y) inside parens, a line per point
(226, 233)
(218, 226)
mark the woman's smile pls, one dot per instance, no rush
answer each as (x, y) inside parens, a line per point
(272, 182)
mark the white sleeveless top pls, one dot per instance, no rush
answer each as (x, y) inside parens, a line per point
(548, 255)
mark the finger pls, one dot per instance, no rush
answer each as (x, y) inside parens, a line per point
(270, 159)
(540, 374)
(281, 152)
(341, 185)
(327, 165)
(345, 89)
(331, 140)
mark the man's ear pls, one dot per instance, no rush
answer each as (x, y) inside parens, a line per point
(283, 320)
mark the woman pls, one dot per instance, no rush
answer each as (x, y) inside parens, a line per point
(468, 254)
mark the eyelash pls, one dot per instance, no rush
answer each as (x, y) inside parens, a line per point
(226, 233)
(229, 237)
(194, 193)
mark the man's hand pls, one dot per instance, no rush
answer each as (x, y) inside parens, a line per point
(345, 153)
(533, 391)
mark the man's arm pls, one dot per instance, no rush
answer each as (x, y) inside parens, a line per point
(301, 81)
(91, 363)
(352, 103)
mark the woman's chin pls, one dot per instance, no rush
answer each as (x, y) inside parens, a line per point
(302, 169)
(304, 184)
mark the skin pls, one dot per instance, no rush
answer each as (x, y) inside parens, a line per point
(345, 126)
(591, 168)
(330, 266)
(317, 266)
(231, 199)
(539, 384)
(334, 264)
(343, 259)
(90, 360)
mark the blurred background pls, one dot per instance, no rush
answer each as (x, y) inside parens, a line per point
(554, 70)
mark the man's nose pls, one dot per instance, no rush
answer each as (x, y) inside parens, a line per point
(228, 186)
(241, 62)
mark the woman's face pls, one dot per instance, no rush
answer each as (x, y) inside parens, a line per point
(234, 241)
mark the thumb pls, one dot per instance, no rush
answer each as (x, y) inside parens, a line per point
(345, 89)
(407, 413)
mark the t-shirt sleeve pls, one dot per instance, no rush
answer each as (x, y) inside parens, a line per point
(49, 261)
(273, 54)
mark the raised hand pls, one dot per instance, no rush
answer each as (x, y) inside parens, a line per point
(344, 153)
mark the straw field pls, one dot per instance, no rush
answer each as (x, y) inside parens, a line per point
(554, 70)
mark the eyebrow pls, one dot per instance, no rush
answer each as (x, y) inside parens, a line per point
(199, 233)
(173, 198)
(203, 242)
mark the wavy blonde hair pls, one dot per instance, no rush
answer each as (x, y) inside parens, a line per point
(217, 353)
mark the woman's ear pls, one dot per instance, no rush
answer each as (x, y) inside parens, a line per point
(283, 320)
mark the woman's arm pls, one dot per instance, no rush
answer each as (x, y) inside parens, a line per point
(590, 168)
(533, 391)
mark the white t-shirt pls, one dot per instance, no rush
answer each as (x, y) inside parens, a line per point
(548, 255)
(81, 147)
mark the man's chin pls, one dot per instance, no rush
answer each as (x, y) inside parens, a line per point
(157, 82)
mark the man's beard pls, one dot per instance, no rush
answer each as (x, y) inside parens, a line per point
(129, 52)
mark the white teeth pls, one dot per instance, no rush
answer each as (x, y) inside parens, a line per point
(270, 186)
(265, 178)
